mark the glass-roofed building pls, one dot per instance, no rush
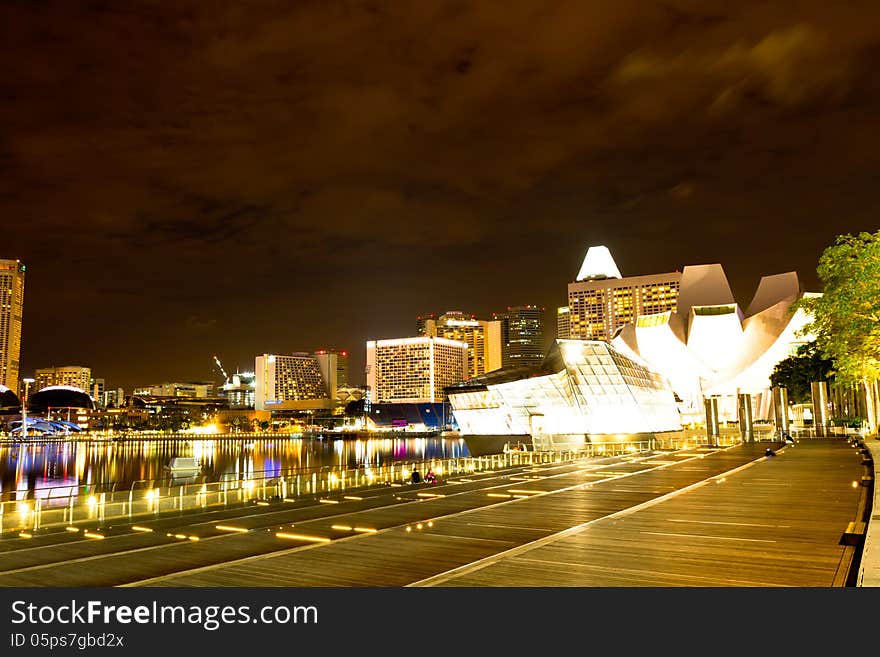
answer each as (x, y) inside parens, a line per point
(584, 391)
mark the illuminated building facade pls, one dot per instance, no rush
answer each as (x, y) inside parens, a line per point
(240, 391)
(341, 365)
(190, 390)
(12, 273)
(414, 369)
(710, 347)
(584, 391)
(522, 336)
(74, 376)
(482, 337)
(298, 381)
(563, 326)
(600, 300)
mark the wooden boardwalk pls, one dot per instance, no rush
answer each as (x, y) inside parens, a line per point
(700, 517)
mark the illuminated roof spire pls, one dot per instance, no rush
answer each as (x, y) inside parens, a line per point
(598, 264)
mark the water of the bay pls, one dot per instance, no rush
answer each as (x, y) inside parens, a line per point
(33, 465)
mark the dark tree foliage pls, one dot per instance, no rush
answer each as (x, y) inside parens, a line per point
(796, 373)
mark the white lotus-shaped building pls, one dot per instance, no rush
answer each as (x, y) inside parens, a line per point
(709, 347)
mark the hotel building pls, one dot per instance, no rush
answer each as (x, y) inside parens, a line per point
(600, 300)
(298, 381)
(482, 337)
(11, 307)
(414, 369)
(73, 376)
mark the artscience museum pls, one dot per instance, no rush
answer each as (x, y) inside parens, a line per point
(653, 375)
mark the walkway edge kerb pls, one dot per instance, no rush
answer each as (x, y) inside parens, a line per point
(869, 568)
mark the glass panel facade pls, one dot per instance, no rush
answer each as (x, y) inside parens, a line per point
(598, 391)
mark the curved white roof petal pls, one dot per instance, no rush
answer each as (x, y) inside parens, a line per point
(773, 289)
(703, 285)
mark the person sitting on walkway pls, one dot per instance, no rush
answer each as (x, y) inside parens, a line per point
(415, 477)
(430, 477)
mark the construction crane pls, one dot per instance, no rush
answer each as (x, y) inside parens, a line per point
(225, 375)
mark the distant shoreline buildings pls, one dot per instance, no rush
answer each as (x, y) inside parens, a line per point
(683, 330)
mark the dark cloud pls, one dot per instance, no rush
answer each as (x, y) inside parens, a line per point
(316, 173)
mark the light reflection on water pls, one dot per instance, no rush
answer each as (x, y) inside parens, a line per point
(28, 467)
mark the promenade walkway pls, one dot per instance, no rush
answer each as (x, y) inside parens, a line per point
(697, 517)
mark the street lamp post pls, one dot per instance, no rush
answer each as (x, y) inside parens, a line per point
(27, 384)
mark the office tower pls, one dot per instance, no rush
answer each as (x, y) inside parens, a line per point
(97, 390)
(600, 300)
(341, 365)
(423, 323)
(414, 369)
(522, 336)
(73, 376)
(113, 397)
(11, 309)
(298, 381)
(482, 337)
(563, 327)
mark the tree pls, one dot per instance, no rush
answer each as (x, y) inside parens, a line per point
(797, 372)
(846, 317)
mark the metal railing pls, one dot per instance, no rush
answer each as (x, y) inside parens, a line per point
(69, 505)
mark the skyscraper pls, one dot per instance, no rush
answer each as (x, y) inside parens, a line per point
(414, 369)
(11, 307)
(482, 337)
(522, 336)
(600, 300)
(563, 328)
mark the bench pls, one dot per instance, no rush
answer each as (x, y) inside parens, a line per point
(854, 534)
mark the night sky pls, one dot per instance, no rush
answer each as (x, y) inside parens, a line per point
(184, 179)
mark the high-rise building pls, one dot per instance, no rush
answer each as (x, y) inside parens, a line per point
(422, 323)
(522, 336)
(563, 327)
(97, 390)
(74, 376)
(600, 300)
(414, 369)
(482, 337)
(113, 398)
(341, 361)
(11, 310)
(298, 381)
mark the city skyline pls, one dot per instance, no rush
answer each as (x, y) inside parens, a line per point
(234, 182)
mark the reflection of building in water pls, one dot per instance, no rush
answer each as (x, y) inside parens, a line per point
(24, 468)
